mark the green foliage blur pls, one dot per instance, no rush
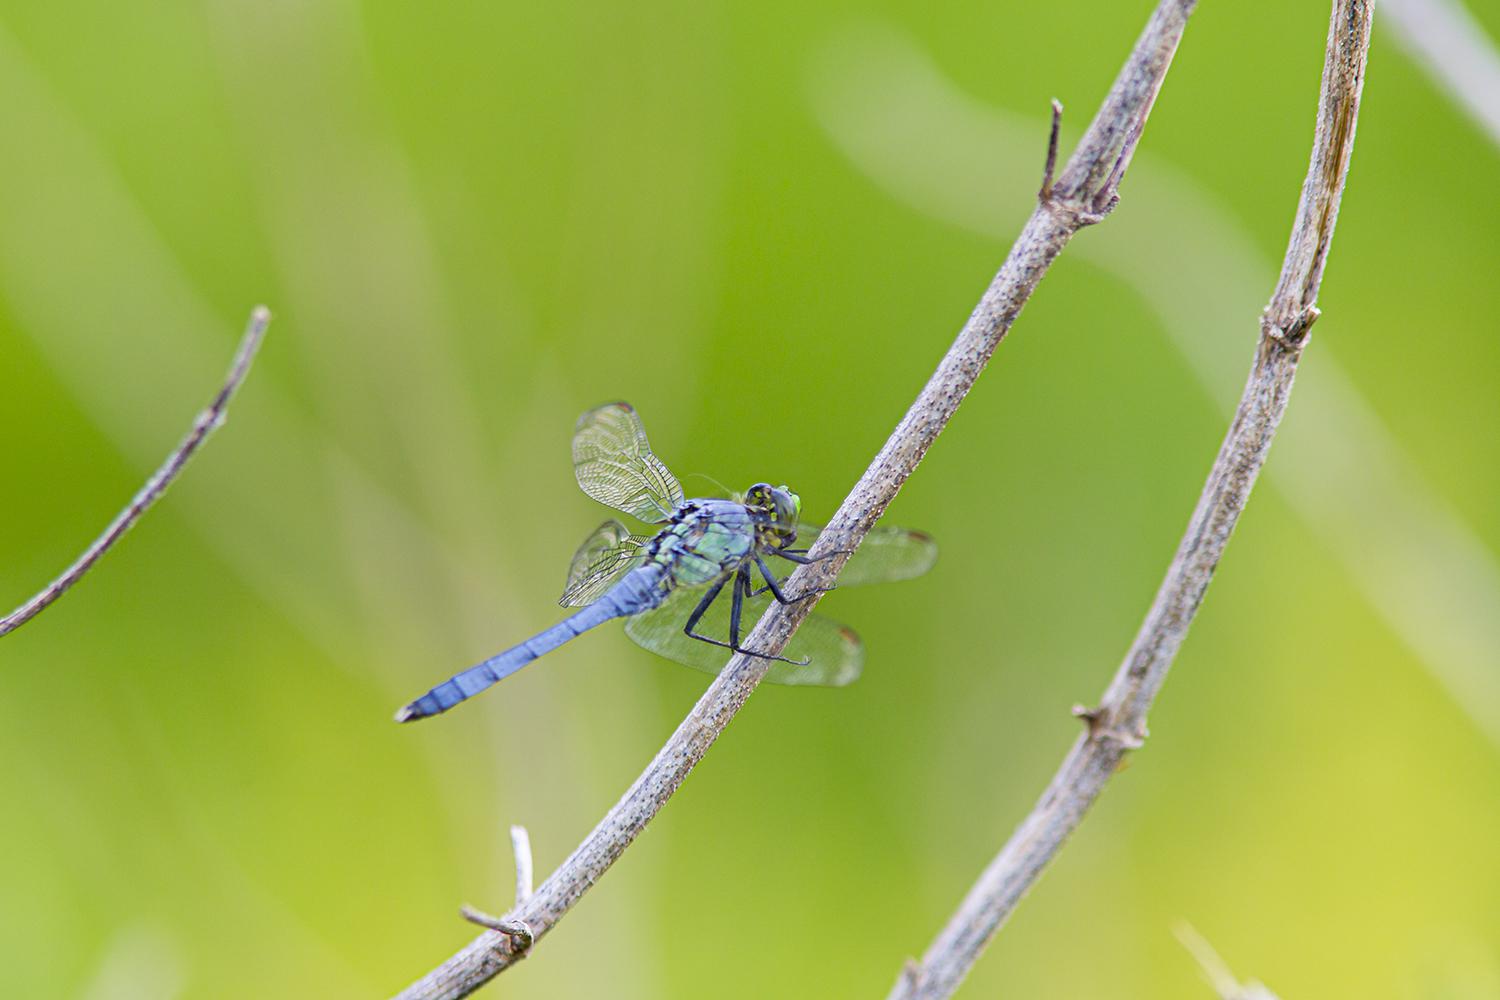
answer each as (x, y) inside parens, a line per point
(760, 224)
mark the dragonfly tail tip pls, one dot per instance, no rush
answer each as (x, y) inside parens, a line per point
(406, 713)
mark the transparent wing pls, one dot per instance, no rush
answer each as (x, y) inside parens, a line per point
(886, 554)
(604, 557)
(834, 652)
(613, 462)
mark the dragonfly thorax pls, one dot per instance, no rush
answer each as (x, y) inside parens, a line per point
(705, 540)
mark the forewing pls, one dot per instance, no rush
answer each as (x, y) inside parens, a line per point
(886, 554)
(834, 652)
(613, 462)
(605, 556)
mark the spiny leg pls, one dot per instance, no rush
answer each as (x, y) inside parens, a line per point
(800, 557)
(708, 598)
(774, 586)
(737, 606)
(734, 646)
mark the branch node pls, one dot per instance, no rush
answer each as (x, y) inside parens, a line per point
(1069, 207)
(1293, 337)
(1101, 730)
(517, 932)
(1045, 194)
(1076, 216)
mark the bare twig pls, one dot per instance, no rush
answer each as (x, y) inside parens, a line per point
(1453, 48)
(1427, 573)
(519, 933)
(205, 424)
(1119, 723)
(1046, 190)
(1215, 971)
(1084, 193)
(520, 845)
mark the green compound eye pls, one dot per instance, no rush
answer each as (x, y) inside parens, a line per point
(788, 505)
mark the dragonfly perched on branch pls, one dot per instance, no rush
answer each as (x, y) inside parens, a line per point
(670, 586)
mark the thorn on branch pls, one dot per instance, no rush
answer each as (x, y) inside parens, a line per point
(1108, 195)
(1045, 194)
(1082, 216)
(1101, 730)
(1293, 336)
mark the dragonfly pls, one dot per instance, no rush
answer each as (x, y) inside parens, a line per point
(671, 585)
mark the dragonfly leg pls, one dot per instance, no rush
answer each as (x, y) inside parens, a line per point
(774, 586)
(799, 556)
(709, 597)
(737, 604)
(740, 582)
(771, 583)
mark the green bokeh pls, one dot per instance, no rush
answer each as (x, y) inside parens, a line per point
(474, 221)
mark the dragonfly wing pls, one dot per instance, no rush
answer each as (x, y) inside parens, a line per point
(605, 556)
(833, 652)
(614, 464)
(886, 554)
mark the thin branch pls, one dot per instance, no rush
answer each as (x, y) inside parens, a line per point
(1045, 193)
(1215, 971)
(1082, 194)
(1454, 49)
(205, 424)
(519, 933)
(520, 845)
(1119, 723)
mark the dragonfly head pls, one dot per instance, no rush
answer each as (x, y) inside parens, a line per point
(781, 508)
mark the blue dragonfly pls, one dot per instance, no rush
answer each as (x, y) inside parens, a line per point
(669, 585)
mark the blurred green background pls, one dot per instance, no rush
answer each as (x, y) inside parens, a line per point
(761, 225)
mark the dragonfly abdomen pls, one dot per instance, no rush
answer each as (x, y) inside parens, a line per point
(641, 590)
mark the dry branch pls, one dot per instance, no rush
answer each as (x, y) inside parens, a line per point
(520, 846)
(1447, 42)
(206, 423)
(1085, 191)
(1216, 972)
(519, 933)
(1119, 723)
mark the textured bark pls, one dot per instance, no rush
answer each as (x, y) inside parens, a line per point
(1118, 725)
(206, 423)
(1082, 194)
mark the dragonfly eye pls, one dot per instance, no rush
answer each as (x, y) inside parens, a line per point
(796, 500)
(788, 506)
